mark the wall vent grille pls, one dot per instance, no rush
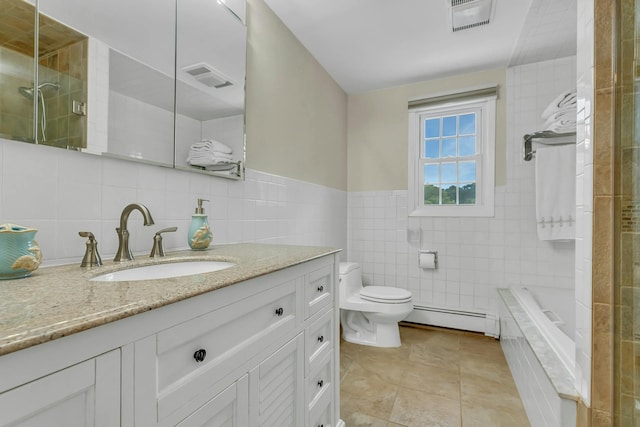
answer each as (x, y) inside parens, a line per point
(466, 14)
(207, 75)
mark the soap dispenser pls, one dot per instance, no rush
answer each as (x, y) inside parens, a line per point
(199, 232)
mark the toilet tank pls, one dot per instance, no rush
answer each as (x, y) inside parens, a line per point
(350, 279)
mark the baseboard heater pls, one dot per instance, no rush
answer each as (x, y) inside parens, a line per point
(466, 320)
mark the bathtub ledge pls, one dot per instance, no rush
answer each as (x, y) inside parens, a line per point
(558, 374)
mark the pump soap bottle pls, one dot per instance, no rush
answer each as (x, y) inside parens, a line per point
(199, 232)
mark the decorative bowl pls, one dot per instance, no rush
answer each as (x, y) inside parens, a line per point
(19, 253)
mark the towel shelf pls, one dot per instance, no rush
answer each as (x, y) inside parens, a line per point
(541, 136)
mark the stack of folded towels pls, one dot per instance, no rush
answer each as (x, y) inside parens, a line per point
(560, 115)
(210, 154)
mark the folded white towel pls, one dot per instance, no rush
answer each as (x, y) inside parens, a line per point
(561, 102)
(208, 160)
(569, 114)
(209, 155)
(555, 182)
(211, 145)
(562, 126)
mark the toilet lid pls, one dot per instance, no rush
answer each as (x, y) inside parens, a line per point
(385, 294)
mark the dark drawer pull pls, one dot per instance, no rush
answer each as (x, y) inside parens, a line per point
(199, 355)
(279, 311)
(320, 383)
(321, 288)
(320, 425)
(321, 338)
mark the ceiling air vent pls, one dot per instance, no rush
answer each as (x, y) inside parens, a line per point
(467, 14)
(207, 75)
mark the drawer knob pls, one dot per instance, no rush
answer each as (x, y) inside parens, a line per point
(320, 288)
(279, 311)
(321, 338)
(320, 383)
(199, 355)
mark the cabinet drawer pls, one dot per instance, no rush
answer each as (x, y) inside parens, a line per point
(194, 354)
(320, 413)
(319, 380)
(318, 289)
(323, 418)
(319, 338)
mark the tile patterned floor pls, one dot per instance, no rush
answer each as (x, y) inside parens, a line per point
(438, 377)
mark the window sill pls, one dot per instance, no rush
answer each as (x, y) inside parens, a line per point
(454, 211)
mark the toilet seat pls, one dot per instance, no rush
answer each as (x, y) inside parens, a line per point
(385, 294)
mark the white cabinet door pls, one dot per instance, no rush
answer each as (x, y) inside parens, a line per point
(86, 394)
(230, 408)
(276, 388)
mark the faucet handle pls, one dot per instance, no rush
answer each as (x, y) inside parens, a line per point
(158, 250)
(91, 255)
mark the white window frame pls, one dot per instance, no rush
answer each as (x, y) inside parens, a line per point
(485, 166)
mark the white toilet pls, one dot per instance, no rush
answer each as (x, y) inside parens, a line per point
(369, 315)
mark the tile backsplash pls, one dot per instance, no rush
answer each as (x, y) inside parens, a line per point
(62, 192)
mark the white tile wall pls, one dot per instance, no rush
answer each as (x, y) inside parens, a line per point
(584, 198)
(476, 255)
(139, 129)
(62, 192)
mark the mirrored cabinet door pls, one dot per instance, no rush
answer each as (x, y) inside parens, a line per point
(210, 85)
(17, 45)
(111, 91)
(149, 80)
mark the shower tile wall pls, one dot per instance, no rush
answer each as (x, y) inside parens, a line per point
(626, 232)
(16, 111)
(66, 66)
(264, 208)
(476, 255)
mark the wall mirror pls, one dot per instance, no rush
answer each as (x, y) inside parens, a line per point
(157, 82)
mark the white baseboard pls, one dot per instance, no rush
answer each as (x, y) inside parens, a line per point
(475, 321)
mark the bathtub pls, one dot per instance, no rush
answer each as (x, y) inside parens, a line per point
(540, 354)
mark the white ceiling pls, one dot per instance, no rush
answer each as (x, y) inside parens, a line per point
(367, 45)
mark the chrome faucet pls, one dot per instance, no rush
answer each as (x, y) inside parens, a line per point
(124, 253)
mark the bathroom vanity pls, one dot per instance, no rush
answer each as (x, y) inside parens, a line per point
(256, 344)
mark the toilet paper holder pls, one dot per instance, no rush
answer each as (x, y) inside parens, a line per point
(435, 259)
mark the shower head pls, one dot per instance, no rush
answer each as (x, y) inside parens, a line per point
(27, 92)
(56, 86)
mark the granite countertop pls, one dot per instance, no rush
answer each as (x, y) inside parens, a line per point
(58, 301)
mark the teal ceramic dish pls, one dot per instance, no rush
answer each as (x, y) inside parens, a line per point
(19, 253)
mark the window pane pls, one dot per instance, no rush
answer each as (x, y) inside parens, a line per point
(431, 194)
(448, 194)
(467, 171)
(467, 145)
(449, 126)
(468, 194)
(448, 147)
(432, 148)
(431, 174)
(468, 124)
(432, 128)
(448, 172)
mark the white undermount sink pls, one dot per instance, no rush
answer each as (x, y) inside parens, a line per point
(163, 271)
